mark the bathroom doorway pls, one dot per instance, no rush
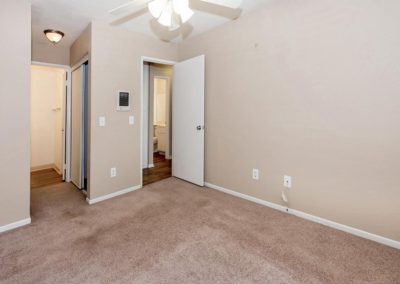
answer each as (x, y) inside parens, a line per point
(157, 138)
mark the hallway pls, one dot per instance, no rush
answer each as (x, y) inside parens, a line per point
(44, 178)
(160, 171)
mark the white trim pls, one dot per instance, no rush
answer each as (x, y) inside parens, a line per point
(111, 195)
(150, 166)
(142, 61)
(15, 225)
(316, 219)
(43, 167)
(347, 229)
(67, 106)
(157, 60)
(247, 197)
(66, 67)
(80, 62)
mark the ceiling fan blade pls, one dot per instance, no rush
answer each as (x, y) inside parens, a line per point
(128, 7)
(234, 4)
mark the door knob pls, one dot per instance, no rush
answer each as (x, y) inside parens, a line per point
(199, 127)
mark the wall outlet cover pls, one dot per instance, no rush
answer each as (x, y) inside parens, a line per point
(256, 174)
(287, 181)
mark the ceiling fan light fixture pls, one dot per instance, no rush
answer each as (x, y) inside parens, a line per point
(171, 13)
(166, 16)
(186, 14)
(53, 36)
(156, 7)
(175, 22)
(180, 5)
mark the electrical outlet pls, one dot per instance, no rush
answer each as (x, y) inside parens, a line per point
(131, 120)
(113, 172)
(287, 181)
(256, 174)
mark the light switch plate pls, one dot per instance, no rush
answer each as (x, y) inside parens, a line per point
(113, 172)
(131, 120)
(102, 121)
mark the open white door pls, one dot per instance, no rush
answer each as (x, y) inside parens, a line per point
(188, 120)
(77, 146)
(64, 127)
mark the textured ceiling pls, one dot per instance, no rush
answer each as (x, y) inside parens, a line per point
(72, 16)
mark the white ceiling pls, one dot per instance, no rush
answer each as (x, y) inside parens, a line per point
(72, 16)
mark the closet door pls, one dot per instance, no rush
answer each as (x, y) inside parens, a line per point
(77, 118)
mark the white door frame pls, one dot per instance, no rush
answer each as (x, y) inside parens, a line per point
(142, 61)
(66, 109)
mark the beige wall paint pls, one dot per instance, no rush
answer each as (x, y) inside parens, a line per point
(116, 65)
(15, 58)
(47, 88)
(308, 89)
(49, 53)
(81, 47)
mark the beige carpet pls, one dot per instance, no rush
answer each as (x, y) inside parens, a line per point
(174, 232)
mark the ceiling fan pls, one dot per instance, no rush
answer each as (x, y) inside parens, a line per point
(171, 13)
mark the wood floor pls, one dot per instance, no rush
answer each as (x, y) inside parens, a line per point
(161, 170)
(44, 178)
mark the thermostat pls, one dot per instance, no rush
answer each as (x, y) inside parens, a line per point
(123, 101)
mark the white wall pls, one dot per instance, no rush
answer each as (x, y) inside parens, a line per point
(46, 122)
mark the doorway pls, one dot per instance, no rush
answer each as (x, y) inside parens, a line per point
(184, 120)
(49, 93)
(157, 138)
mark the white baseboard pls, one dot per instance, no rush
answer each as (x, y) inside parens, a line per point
(247, 197)
(42, 167)
(15, 225)
(111, 195)
(151, 166)
(57, 170)
(316, 219)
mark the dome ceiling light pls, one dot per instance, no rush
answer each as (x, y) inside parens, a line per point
(53, 36)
